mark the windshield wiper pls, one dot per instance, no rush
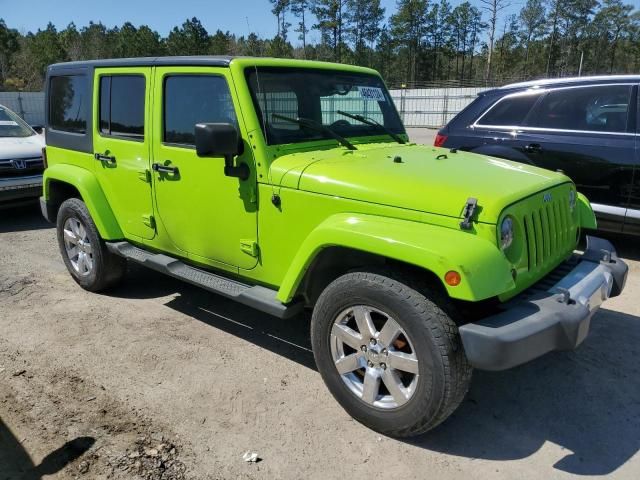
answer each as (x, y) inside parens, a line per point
(307, 122)
(371, 122)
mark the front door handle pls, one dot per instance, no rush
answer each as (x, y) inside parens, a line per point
(105, 158)
(158, 167)
(533, 148)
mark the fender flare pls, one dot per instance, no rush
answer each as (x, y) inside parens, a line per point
(485, 272)
(586, 216)
(92, 195)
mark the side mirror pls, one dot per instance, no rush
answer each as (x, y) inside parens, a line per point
(216, 140)
(221, 139)
(39, 129)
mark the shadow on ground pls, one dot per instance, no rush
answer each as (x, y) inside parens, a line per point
(19, 219)
(288, 338)
(16, 464)
(585, 401)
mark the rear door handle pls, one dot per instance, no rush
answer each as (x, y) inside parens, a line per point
(105, 158)
(533, 148)
(157, 167)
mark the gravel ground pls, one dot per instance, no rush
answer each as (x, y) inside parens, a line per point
(161, 380)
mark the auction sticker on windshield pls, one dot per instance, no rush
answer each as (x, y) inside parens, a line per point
(8, 123)
(372, 93)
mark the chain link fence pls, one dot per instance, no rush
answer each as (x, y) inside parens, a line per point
(29, 105)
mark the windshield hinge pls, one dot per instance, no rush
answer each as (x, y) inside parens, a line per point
(249, 246)
(467, 213)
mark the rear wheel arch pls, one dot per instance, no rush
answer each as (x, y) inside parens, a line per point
(58, 192)
(62, 182)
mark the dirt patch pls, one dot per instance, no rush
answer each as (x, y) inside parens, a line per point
(99, 436)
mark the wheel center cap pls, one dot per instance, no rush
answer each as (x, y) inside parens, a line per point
(375, 354)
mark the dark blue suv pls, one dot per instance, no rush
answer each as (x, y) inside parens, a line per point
(587, 127)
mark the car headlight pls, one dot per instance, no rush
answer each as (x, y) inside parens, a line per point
(506, 233)
(572, 200)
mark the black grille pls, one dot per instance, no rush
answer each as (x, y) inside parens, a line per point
(549, 233)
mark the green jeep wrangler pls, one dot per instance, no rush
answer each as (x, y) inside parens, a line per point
(286, 185)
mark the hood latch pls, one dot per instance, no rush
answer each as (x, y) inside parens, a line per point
(467, 213)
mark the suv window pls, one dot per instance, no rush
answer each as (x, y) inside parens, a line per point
(68, 103)
(601, 108)
(191, 99)
(122, 105)
(510, 110)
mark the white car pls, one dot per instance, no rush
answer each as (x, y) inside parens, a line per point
(21, 161)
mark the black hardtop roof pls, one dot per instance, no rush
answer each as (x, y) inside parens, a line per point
(208, 60)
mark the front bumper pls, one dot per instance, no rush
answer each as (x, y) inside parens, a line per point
(18, 189)
(557, 318)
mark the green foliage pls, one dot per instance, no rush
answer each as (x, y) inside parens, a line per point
(423, 40)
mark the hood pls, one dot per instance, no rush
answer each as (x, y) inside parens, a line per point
(21, 147)
(423, 178)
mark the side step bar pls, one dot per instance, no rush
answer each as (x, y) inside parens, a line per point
(255, 296)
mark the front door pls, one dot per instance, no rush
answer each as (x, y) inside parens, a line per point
(209, 217)
(122, 146)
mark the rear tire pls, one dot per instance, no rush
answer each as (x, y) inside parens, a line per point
(420, 373)
(85, 254)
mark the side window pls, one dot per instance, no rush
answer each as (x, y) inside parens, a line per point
(191, 99)
(601, 109)
(68, 103)
(122, 106)
(510, 111)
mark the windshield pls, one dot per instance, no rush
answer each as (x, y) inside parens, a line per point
(11, 125)
(320, 96)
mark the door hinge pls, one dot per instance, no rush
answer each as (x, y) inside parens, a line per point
(249, 247)
(145, 175)
(149, 221)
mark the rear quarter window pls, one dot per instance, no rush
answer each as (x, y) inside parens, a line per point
(68, 104)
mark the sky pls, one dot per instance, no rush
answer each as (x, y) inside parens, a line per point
(161, 15)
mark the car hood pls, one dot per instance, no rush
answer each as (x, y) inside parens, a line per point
(416, 177)
(21, 147)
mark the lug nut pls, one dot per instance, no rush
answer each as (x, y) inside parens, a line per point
(384, 351)
(373, 341)
(363, 348)
(383, 366)
(370, 364)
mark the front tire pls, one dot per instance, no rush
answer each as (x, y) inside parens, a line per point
(389, 353)
(85, 254)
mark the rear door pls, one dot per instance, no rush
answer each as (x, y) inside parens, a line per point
(122, 146)
(495, 129)
(588, 132)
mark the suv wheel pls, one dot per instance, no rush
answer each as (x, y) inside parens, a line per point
(84, 253)
(389, 353)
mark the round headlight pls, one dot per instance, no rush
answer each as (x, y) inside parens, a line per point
(572, 200)
(506, 233)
